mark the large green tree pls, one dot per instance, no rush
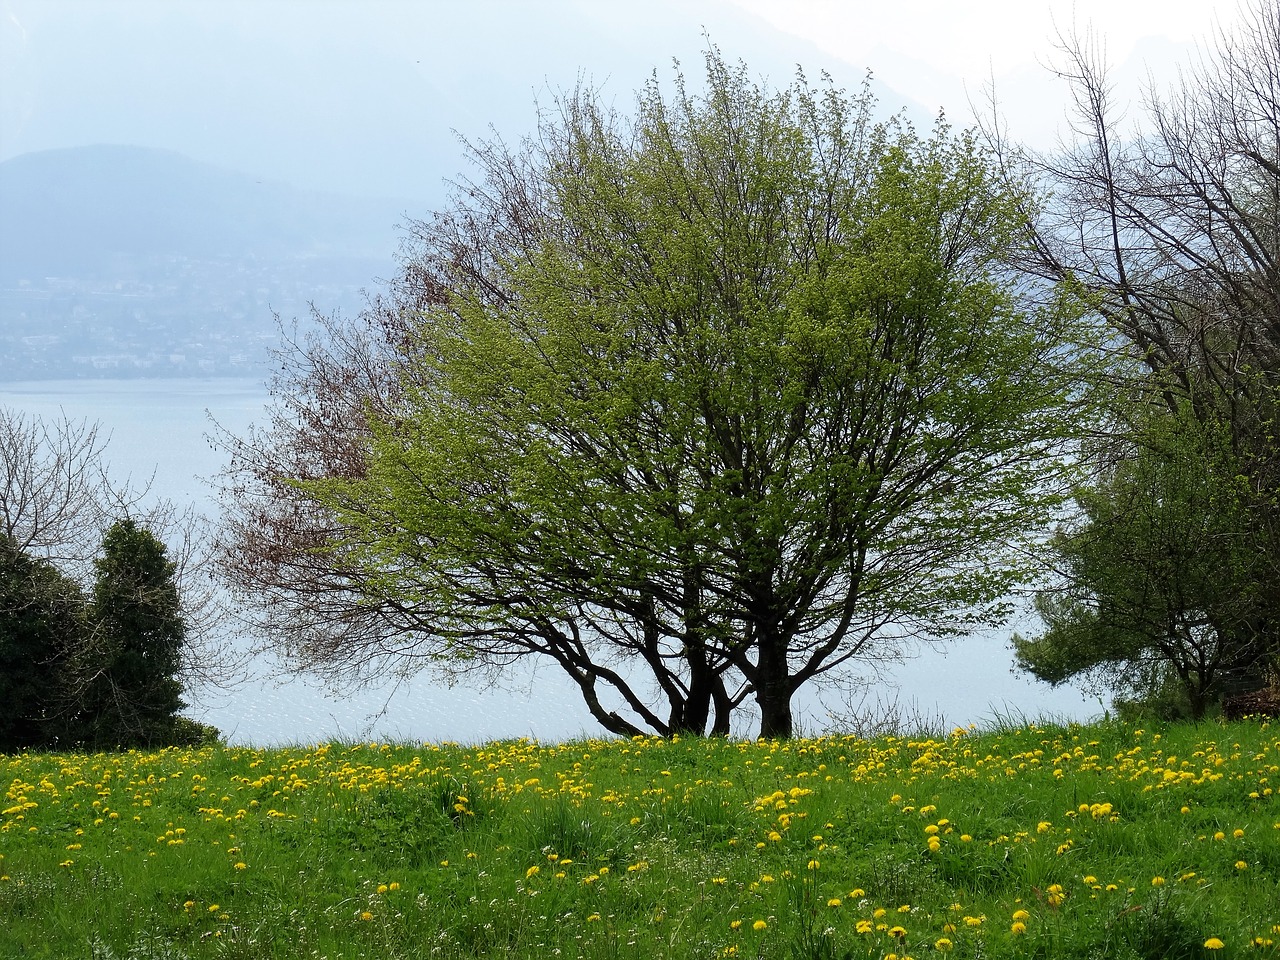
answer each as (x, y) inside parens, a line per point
(701, 404)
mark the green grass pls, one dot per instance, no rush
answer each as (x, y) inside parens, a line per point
(1102, 841)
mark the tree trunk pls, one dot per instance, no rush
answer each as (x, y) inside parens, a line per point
(773, 688)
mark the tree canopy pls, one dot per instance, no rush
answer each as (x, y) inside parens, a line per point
(39, 626)
(701, 404)
(1160, 583)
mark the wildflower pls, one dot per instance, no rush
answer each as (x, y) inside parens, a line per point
(1021, 915)
(897, 932)
(814, 865)
(865, 926)
(1241, 865)
(735, 924)
(532, 872)
(942, 945)
(1213, 943)
(240, 866)
(1157, 881)
(759, 925)
(1238, 833)
(1018, 928)
(366, 915)
(834, 902)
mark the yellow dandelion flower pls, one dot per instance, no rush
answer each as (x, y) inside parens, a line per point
(1213, 943)
(759, 925)
(1018, 928)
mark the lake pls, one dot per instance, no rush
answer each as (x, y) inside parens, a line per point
(158, 429)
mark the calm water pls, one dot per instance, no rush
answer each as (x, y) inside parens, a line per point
(159, 429)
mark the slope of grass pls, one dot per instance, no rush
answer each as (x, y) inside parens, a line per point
(1105, 841)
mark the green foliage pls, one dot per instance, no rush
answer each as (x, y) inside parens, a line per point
(1165, 592)
(186, 732)
(727, 396)
(130, 694)
(98, 670)
(41, 621)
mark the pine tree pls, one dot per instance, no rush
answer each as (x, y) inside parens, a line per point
(131, 694)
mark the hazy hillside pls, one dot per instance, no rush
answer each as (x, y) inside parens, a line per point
(77, 211)
(119, 260)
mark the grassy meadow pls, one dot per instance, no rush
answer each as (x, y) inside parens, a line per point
(1106, 841)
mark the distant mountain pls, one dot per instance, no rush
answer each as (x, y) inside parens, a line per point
(124, 261)
(80, 212)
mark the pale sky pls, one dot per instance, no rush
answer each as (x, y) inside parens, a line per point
(943, 54)
(364, 96)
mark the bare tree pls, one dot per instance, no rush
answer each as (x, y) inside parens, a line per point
(1171, 224)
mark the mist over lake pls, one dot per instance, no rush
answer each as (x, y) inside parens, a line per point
(159, 430)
